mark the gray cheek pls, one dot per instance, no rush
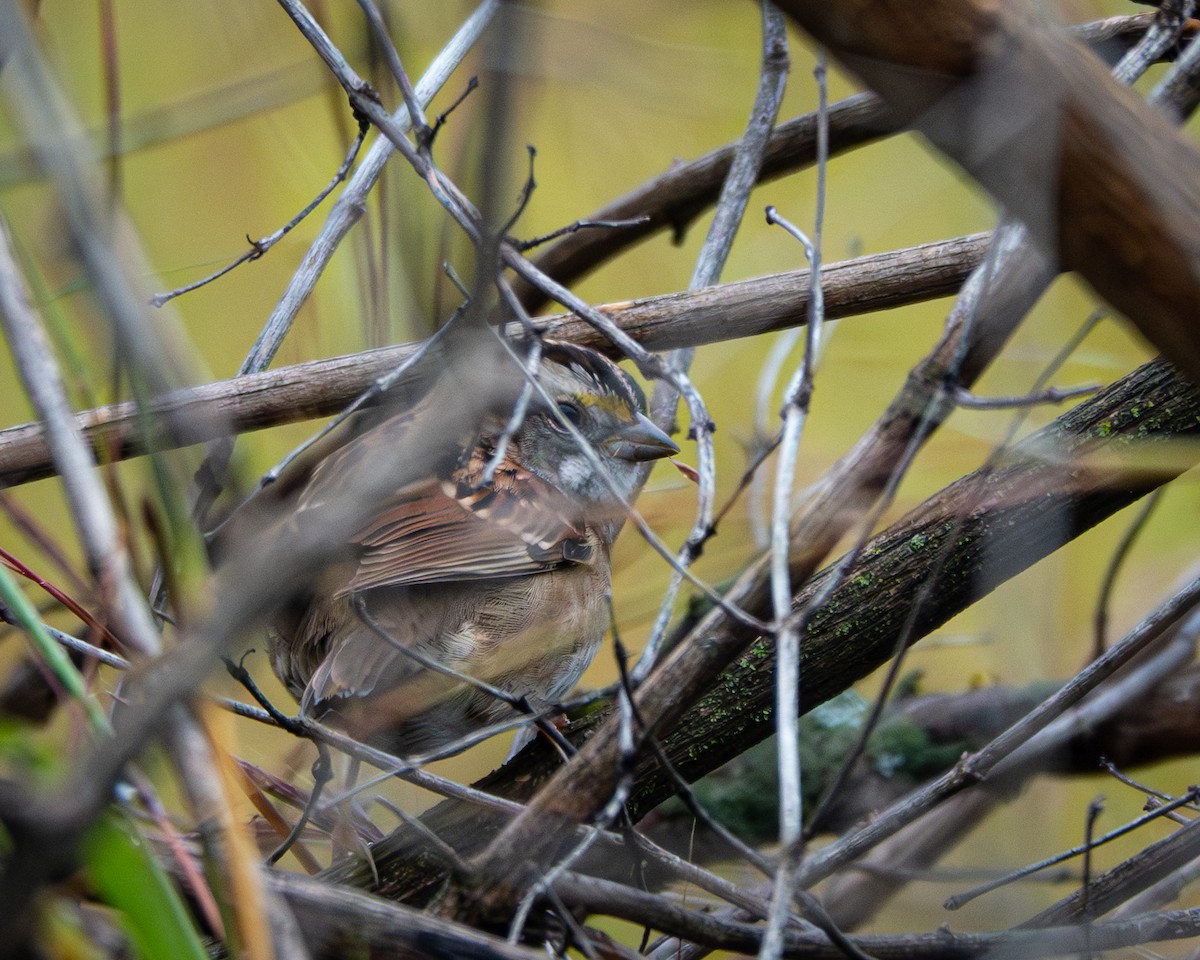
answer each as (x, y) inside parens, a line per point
(624, 477)
(577, 477)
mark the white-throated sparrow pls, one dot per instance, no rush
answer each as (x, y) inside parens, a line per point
(505, 581)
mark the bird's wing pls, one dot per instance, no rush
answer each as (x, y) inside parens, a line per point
(444, 531)
(361, 666)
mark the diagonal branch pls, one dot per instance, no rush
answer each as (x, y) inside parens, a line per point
(1031, 114)
(1059, 482)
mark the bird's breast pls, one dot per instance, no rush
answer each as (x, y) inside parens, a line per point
(547, 627)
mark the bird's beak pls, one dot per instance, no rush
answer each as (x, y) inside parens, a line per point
(639, 441)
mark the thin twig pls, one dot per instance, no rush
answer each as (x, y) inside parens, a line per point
(1094, 809)
(965, 398)
(408, 770)
(962, 899)
(531, 365)
(349, 206)
(1111, 769)
(797, 399)
(440, 120)
(412, 102)
(1115, 563)
(526, 245)
(322, 772)
(731, 207)
(73, 643)
(258, 248)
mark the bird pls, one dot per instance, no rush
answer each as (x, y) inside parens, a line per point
(463, 580)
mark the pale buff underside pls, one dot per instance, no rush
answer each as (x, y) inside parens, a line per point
(552, 625)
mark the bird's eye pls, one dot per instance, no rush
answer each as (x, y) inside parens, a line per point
(571, 412)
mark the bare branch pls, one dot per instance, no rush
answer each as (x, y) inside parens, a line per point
(951, 69)
(321, 387)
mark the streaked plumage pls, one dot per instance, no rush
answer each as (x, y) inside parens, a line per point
(506, 582)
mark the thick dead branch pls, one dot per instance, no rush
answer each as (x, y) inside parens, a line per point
(1089, 463)
(923, 736)
(991, 526)
(1062, 480)
(731, 934)
(1031, 114)
(337, 922)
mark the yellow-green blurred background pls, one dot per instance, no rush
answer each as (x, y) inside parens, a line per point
(228, 124)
